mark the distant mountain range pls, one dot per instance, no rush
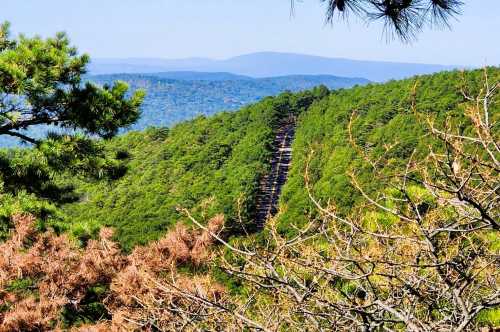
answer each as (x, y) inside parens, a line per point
(270, 64)
(176, 96)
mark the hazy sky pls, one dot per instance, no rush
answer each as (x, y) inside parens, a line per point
(224, 28)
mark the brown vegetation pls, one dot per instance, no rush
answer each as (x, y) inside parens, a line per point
(145, 288)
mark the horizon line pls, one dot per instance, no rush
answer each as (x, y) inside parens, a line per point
(284, 53)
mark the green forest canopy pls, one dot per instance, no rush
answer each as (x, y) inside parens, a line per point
(207, 165)
(210, 163)
(383, 117)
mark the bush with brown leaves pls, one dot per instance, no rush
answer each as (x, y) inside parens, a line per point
(145, 288)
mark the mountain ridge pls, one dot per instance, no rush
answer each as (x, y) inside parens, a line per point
(271, 64)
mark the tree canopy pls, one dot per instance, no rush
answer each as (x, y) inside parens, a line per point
(41, 83)
(208, 165)
(41, 86)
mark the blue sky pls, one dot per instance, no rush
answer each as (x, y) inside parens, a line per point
(224, 28)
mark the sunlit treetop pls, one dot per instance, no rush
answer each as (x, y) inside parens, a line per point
(41, 84)
(42, 87)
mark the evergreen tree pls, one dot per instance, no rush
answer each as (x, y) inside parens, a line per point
(402, 18)
(41, 85)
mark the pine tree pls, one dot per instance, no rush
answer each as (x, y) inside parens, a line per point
(402, 18)
(41, 85)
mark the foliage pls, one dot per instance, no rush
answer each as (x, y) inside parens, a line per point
(384, 123)
(385, 224)
(22, 203)
(403, 18)
(209, 165)
(41, 84)
(419, 254)
(48, 283)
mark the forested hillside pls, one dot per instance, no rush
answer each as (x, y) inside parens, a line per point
(208, 165)
(330, 257)
(212, 162)
(145, 200)
(383, 120)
